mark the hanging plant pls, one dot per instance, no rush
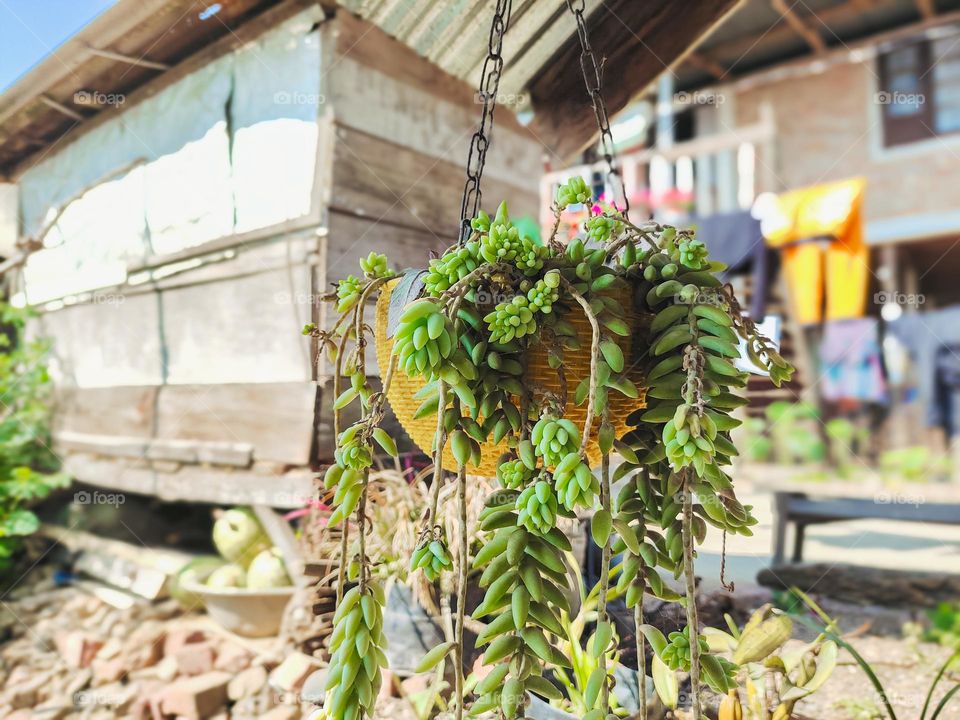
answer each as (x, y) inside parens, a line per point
(486, 356)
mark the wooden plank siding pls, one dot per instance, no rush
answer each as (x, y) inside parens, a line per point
(195, 383)
(379, 179)
(275, 419)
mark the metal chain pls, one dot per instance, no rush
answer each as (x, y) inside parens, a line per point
(487, 95)
(593, 78)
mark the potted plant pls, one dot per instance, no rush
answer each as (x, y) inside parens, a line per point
(538, 363)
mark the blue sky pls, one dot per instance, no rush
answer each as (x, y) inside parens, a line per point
(31, 29)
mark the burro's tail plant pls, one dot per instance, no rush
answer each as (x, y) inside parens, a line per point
(644, 297)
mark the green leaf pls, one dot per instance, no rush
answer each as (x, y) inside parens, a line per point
(665, 683)
(20, 522)
(656, 639)
(434, 656)
(826, 662)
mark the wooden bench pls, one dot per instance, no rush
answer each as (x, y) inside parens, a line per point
(817, 506)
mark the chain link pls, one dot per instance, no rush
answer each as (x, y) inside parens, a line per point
(593, 78)
(487, 95)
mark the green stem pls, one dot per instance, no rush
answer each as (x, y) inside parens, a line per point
(641, 658)
(693, 621)
(461, 587)
(604, 574)
(441, 440)
(594, 360)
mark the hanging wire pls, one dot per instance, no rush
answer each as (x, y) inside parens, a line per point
(487, 96)
(593, 78)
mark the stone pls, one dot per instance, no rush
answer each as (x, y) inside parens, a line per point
(197, 697)
(290, 674)
(247, 683)
(314, 687)
(282, 712)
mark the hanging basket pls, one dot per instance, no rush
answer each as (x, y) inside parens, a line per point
(539, 374)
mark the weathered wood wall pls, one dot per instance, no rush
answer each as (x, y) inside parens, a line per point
(399, 130)
(198, 384)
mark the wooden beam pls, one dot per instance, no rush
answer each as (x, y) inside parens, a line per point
(250, 30)
(129, 59)
(800, 25)
(849, 52)
(927, 8)
(61, 108)
(707, 64)
(637, 41)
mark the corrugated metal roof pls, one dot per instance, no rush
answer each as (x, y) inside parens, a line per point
(454, 35)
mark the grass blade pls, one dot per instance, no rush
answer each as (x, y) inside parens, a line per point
(827, 630)
(933, 686)
(944, 701)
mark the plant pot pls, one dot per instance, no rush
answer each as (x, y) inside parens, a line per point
(538, 373)
(410, 631)
(626, 691)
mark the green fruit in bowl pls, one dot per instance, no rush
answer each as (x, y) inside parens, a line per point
(228, 576)
(267, 571)
(238, 535)
(193, 573)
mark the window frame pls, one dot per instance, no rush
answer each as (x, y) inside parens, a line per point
(919, 127)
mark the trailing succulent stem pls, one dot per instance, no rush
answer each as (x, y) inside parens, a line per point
(655, 310)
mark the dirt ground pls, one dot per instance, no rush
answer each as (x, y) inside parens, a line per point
(66, 654)
(905, 670)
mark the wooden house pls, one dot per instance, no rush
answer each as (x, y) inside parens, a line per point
(182, 182)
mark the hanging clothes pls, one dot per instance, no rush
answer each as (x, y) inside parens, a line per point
(825, 260)
(734, 238)
(850, 362)
(933, 340)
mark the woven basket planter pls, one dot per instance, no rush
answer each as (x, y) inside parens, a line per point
(576, 367)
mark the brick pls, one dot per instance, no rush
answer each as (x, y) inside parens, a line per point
(144, 646)
(290, 674)
(196, 658)
(196, 697)
(176, 639)
(78, 649)
(232, 658)
(247, 683)
(108, 670)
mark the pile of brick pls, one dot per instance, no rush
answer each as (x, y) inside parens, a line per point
(66, 654)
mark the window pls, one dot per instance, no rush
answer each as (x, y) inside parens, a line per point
(920, 88)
